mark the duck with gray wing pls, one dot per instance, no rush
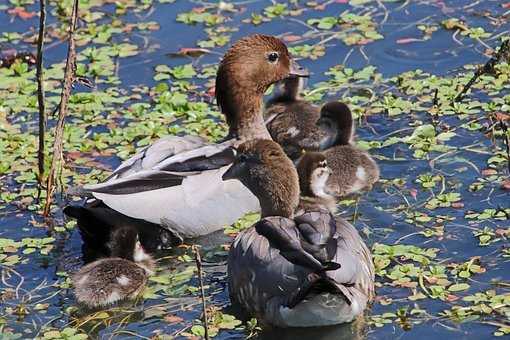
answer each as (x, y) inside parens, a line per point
(291, 120)
(113, 279)
(294, 271)
(176, 182)
(353, 169)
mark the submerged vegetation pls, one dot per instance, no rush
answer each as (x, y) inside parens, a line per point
(438, 221)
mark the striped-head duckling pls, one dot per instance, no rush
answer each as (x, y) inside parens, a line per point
(291, 120)
(294, 271)
(113, 279)
(314, 172)
(353, 169)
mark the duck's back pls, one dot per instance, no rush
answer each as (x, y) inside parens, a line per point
(176, 183)
(107, 281)
(289, 123)
(263, 282)
(353, 169)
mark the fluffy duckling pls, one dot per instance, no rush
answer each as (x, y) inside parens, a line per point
(176, 182)
(314, 172)
(294, 271)
(291, 121)
(98, 224)
(353, 169)
(110, 280)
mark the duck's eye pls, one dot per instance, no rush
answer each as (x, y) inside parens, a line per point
(323, 164)
(242, 158)
(273, 57)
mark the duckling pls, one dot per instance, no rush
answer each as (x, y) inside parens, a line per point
(294, 271)
(314, 172)
(291, 120)
(353, 169)
(110, 280)
(179, 186)
(97, 225)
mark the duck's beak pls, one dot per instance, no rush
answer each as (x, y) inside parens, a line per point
(297, 70)
(233, 172)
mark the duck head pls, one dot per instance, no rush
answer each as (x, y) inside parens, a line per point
(336, 120)
(262, 166)
(246, 71)
(125, 243)
(313, 171)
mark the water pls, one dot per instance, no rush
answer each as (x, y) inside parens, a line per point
(35, 293)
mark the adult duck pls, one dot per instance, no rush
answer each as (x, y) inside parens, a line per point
(176, 182)
(294, 271)
(353, 169)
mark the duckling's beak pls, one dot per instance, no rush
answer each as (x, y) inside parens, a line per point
(297, 70)
(233, 172)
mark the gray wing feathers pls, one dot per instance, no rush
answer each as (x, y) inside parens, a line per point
(151, 156)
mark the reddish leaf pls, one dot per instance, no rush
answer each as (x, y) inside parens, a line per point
(211, 91)
(21, 12)
(502, 232)
(191, 52)
(451, 298)
(291, 38)
(364, 41)
(506, 184)
(173, 319)
(502, 116)
(413, 193)
(507, 5)
(407, 40)
(489, 172)
(457, 205)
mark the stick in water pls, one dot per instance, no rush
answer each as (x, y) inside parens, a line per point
(40, 94)
(488, 68)
(56, 160)
(198, 261)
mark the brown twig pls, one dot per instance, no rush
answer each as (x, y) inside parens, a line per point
(56, 160)
(198, 261)
(40, 93)
(488, 68)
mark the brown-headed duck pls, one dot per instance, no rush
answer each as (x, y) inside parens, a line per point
(176, 182)
(113, 279)
(291, 120)
(294, 271)
(353, 169)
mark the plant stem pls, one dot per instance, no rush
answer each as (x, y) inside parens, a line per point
(488, 68)
(40, 93)
(198, 261)
(56, 160)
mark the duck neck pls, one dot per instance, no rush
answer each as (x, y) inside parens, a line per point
(276, 208)
(278, 197)
(242, 104)
(250, 122)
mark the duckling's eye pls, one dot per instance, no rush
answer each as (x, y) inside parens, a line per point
(273, 57)
(323, 164)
